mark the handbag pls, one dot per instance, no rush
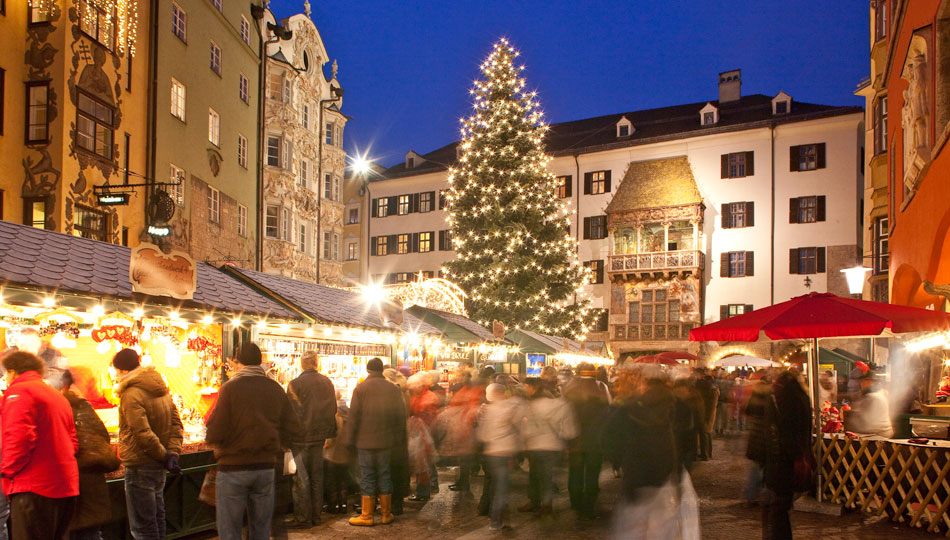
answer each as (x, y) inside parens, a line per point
(96, 454)
(209, 491)
(290, 466)
(803, 472)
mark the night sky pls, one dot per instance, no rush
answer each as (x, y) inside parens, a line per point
(406, 67)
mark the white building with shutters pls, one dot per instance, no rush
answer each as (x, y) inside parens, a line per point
(687, 214)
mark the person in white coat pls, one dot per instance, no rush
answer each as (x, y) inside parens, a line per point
(548, 424)
(499, 426)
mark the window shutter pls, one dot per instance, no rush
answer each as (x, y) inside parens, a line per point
(821, 155)
(587, 180)
(820, 260)
(587, 228)
(414, 202)
(607, 181)
(793, 261)
(431, 240)
(724, 166)
(748, 308)
(793, 159)
(726, 216)
(372, 245)
(391, 243)
(749, 263)
(793, 210)
(724, 265)
(750, 213)
(600, 271)
(723, 312)
(414, 243)
(441, 240)
(749, 163)
(569, 186)
(821, 208)
(392, 202)
(373, 209)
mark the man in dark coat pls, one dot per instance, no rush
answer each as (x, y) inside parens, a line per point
(589, 399)
(314, 399)
(377, 421)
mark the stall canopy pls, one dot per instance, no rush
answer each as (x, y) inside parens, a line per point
(543, 343)
(455, 328)
(48, 260)
(327, 304)
(738, 360)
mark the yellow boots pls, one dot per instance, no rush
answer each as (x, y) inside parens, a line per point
(386, 509)
(365, 519)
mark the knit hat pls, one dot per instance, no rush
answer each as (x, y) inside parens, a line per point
(248, 354)
(374, 365)
(126, 360)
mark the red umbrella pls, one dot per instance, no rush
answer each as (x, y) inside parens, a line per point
(821, 315)
(677, 355)
(654, 359)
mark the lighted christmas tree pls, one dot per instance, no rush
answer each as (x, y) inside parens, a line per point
(516, 257)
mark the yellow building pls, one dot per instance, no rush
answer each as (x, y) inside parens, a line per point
(73, 115)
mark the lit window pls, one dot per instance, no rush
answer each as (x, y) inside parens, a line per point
(94, 129)
(352, 251)
(272, 221)
(382, 245)
(37, 129)
(39, 13)
(881, 253)
(179, 22)
(596, 271)
(563, 187)
(178, 100)
(598, 182)
(354, 217)
(425, 201)
(807, 157)
(425, 242)
(176, 192)
(89, 223)
(273, 151)
(402, 207)
(96, 23)
(214, 205)
(242, 220)
(242, 151)
(402, 244)
(382, 207)
(214, 127)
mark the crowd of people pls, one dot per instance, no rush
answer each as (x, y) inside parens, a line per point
(649, 423)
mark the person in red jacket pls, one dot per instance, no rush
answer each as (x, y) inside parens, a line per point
(40, 474)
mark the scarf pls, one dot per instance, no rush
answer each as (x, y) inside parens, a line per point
(250, 371)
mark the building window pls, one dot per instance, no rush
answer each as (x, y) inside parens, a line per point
(302, 238)
(736, 264)
(879, 291)
(381, 245)
(272, 221)
(328, 186)
(287, 93)
(242, 151)
(623, 130)
(242, 220)
(731, 310)
(620, 332)
(3, 91)
(564, 186)
(382, 207)
(445, 240)
(807, 157)
(806, 209)
(96, 23)
(596, 182)
(179, 22)
(94, 129)
(653, 313)
(215, 58)
(36, 210)
(881, 253)
(781, 107)
(214, 127)
(595, 227)
(37, 112)
(285, 229)
(326, 245)
(425, 242)
(329, 134)
(880, 20)
(402, 244)
(273, 151)
(738, 215)
(443, 199)
(808, 260)
(304, 173)
(217, 4)
(39, 13)
(737, 165)
(880, 126)
(425, 201)
(354, 216)
(601, 318)
(176, 189)
(336, 188)
(245, 30)
(403, 206)
(335, 246)
(178, 100)
(89, 223)
(596, 271)
(242, 88)
(214, 205)
(709, 118)
(352, 250)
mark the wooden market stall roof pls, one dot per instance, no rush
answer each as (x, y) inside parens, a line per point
(326, 304)
(48, 260)
(455, 328)
(530, 341)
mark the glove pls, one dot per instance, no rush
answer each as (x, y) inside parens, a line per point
(171, 464)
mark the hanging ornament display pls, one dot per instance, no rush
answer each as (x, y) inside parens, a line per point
(58, 321)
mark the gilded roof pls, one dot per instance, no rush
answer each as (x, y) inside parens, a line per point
(656, 183)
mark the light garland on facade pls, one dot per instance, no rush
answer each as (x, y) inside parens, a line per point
(500, 197)
(122, 14)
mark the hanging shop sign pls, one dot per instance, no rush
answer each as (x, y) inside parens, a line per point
(325, 348)
(459, 355)
(159, 274)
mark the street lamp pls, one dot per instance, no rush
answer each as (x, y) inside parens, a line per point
(856, 276)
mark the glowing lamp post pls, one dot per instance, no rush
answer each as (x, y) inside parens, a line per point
(856, 277)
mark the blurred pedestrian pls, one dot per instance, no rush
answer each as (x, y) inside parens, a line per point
(338, 464)
(589, 400)
(870, 412)
(760, 398)
(40, 474)
(725, 385)
(150, 439)
(376, 423)
(499, 425)
(687, 422)
(710, 396)
(399, 464)
(549, 422)
(454, 429)
(251, 425)
(313, 398)
(424, 407)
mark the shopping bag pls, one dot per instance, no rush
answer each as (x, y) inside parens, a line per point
(688, 509)
(290, 467)
(208, 490)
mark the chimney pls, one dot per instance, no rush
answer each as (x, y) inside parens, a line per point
(730, 86)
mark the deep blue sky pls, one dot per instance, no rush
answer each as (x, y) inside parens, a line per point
(406, 67)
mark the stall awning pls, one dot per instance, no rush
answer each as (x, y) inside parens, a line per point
(49, 260)
(529, 341)
(326, 304)
(455, 328)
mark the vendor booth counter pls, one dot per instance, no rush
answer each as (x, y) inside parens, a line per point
(908, 483)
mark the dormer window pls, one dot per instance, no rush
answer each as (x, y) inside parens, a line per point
(781, 104)
(709, 115)
(624, 127)
(410, 162)
(413, 159)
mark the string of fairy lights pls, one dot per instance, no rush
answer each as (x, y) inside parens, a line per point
(102, 14)
(506, 219)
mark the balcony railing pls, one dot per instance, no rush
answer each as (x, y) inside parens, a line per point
(661, 260)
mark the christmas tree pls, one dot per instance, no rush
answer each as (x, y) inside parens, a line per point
(516, 258)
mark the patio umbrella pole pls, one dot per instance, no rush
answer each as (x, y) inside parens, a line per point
(813, 376)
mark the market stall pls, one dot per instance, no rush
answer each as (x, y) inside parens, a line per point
(539, 350)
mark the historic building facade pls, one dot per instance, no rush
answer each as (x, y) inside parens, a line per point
(916, 79)
(302, 197)
(73, 109)
(686, 214)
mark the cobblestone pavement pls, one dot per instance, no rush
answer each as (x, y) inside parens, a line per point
(724, 516)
